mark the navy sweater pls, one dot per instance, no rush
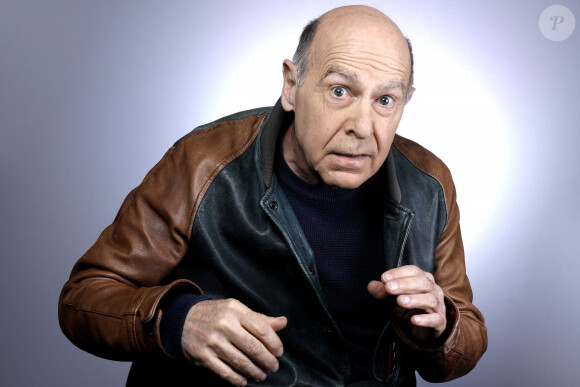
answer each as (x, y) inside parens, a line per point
(344, 230)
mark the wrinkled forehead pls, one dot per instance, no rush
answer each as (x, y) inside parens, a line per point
(362, 31)
(366, 40)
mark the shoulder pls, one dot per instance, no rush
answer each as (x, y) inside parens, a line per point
(237, 128)
(421, 163)
(208, 148)
(186, 171)
(422, 158)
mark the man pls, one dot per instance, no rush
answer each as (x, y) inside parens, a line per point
(303, 244)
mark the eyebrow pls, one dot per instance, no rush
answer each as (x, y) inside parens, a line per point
(354, 78)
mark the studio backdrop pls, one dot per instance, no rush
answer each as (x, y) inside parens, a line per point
(92, 93)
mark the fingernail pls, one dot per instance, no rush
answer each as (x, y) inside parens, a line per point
(393, 285)
(387, 277)
(262, 377)
(405, 300)
(276, 367)
(417, 319)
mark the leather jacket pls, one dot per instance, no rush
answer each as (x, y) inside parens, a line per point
(211, 217)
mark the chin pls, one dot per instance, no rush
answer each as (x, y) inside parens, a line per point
(344, 180)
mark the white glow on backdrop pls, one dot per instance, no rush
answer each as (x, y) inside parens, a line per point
(457, 116)
(255, 77)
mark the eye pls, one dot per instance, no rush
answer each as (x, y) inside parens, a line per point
(339, 91)
(385, 100)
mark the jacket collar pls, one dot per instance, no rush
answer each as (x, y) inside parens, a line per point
(279, 120)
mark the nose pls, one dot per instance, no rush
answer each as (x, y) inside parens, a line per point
(362, 121)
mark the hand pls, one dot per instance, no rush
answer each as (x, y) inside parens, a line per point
(231, 340)
(419, 300)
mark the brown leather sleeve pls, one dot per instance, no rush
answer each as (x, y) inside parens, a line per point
(467, 335)
(110, 305)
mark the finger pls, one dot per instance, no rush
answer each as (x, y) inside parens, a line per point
(276, 323)
(377, 289)
(425, 301)
(260, 326)
(410, 285)
(256, 349)
(237, 359)
(430, 320)
(223, 370)
(401, 272)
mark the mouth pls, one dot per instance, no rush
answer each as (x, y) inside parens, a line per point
(348, 154)
(352, 158)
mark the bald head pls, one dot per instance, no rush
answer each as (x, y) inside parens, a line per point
(356, 11)
(344, 23)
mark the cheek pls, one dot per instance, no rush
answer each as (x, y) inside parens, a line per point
(316, 135)
(386, 131)
(314, 144)
(384, 141)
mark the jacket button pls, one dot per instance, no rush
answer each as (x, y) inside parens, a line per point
(311, 270)
(273, 205)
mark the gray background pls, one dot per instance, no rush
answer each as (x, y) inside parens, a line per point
(92, 93)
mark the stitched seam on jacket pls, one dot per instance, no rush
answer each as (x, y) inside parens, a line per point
(134, 319)
(221, 165)
(117, 316)
(427, 171)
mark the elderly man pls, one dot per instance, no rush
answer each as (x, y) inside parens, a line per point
(304, 244)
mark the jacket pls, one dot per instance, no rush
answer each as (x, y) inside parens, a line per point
(211, 217)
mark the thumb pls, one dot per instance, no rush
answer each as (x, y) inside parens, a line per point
(377, 289)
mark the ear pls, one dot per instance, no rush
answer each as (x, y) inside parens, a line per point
(290, 74)
(410, 94)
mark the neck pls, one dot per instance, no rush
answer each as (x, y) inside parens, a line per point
(296, 159)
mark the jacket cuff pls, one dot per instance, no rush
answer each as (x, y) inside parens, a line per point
(147, 328)
(441, 345)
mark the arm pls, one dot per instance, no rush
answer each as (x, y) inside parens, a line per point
(451, 336)
(467, 340)
(110, 305)
(113, 303)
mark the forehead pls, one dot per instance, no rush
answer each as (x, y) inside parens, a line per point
(361, 44)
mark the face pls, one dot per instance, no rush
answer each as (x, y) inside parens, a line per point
(350, 104)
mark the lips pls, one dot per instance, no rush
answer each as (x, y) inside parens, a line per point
(351, 159)
(351, 155)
